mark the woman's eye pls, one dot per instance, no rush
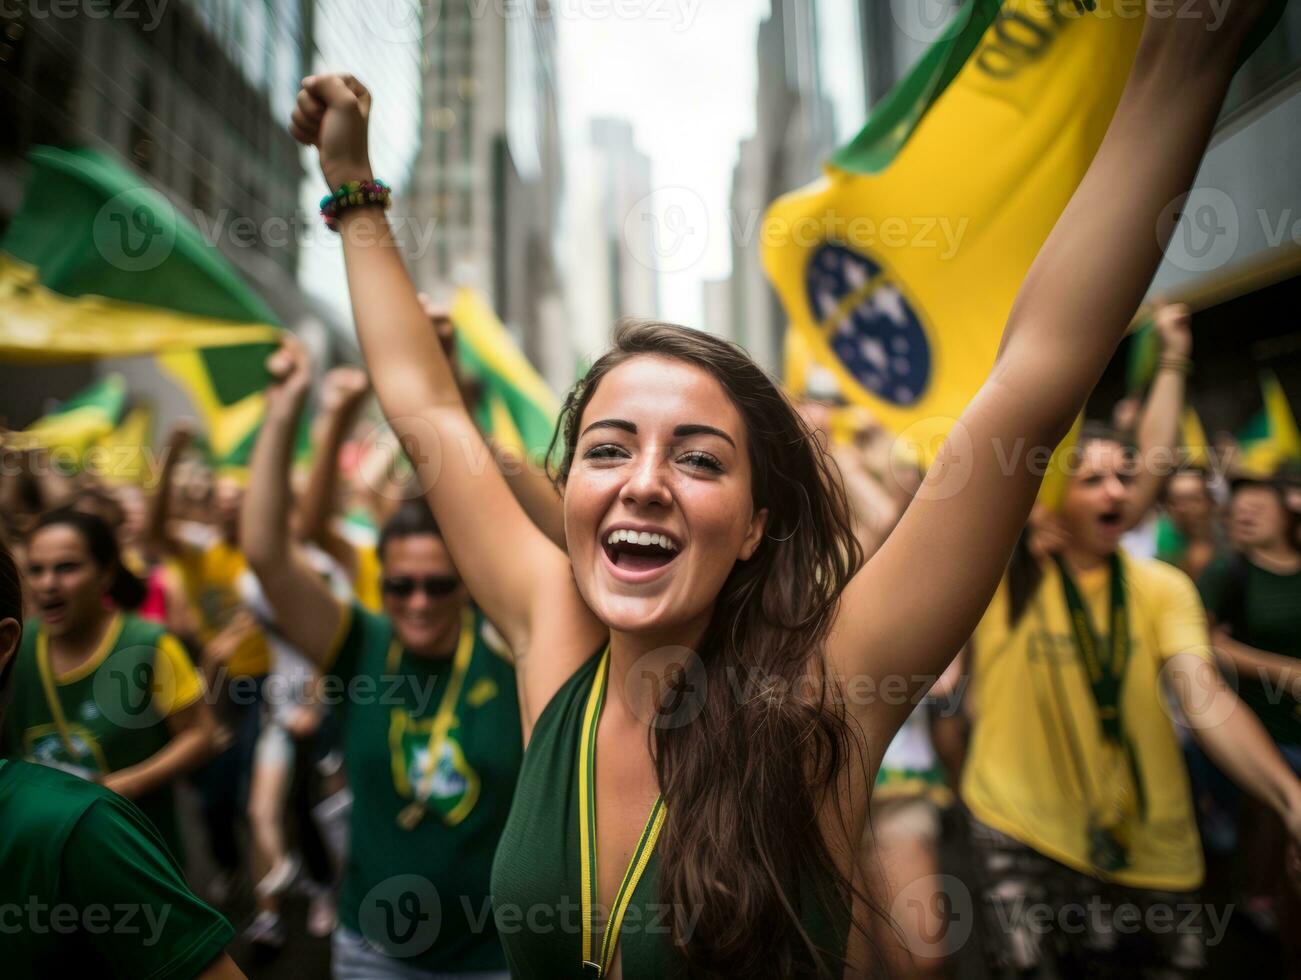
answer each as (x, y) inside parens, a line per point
(606, 451)
(703, 460)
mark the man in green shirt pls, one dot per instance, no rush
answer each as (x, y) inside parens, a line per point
(87, 887)
(431, 730)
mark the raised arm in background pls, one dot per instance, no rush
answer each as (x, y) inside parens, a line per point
(343, 393)
(519, 577)
(1158, 427)
(911, 608)
(305, 612)
(159, 540)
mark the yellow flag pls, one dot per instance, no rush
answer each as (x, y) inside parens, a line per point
(899, 267)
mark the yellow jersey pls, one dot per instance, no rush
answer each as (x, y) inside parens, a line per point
(1035, 766)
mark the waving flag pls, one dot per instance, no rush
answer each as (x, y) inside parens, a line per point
(900, 265)
(95, 264)
(517, 408)
(1271, 439)
(80, 421)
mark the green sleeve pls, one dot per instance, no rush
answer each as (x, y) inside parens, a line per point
(1213, 584)
(151, 927)
(362, 630)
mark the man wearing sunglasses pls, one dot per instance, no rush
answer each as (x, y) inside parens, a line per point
(431, 728)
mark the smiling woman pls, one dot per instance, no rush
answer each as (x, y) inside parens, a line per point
(714, 834)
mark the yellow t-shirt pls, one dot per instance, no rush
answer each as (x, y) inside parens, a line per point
(211, 574)
(1036, 723)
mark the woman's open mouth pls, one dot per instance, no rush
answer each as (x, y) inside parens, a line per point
(638, 555)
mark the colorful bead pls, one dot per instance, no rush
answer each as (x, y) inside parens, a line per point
(355, 193)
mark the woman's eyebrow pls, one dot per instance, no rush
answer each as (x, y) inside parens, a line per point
(623, 424)
(696, 429)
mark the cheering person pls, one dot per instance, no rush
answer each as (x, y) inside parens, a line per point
(1075, 777)
(431, 731)
(100, 692)
(710, 556)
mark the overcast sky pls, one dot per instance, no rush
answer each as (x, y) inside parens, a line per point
(683, 73)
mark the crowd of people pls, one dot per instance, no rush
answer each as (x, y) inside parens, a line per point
(700, 697)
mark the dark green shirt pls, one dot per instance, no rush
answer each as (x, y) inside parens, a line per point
(88, 889)
(1263, 610)
(536, 878)
(422, 894)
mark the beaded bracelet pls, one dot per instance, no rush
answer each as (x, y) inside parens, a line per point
(354, 193)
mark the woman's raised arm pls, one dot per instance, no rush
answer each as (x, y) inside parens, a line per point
(911, 608)
(510, 567)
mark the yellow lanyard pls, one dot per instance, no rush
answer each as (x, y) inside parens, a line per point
(592, 966)
(444, 718)
(49, 687)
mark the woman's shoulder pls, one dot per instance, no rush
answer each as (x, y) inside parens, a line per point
(565, 706)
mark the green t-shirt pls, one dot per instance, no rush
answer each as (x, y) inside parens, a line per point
(422, 894)
(1263, 610)
(114, 708)
(87, 888)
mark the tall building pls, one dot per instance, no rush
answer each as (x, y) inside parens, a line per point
(382, 46)
(488, 176)
(795, 132)
(193, 96)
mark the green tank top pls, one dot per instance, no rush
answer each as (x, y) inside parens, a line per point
(536, 875)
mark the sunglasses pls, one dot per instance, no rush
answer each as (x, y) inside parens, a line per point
(405, 586)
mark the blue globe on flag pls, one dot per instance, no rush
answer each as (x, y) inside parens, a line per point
(868, 324)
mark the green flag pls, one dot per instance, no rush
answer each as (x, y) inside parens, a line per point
(96, 263)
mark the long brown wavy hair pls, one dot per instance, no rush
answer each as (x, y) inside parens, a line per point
(745, 781)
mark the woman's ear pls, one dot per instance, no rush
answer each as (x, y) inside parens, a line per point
(10, 634)
(754, 535)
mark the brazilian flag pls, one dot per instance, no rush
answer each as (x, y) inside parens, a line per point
(516, 407)
(96, 264)
(900, 265)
